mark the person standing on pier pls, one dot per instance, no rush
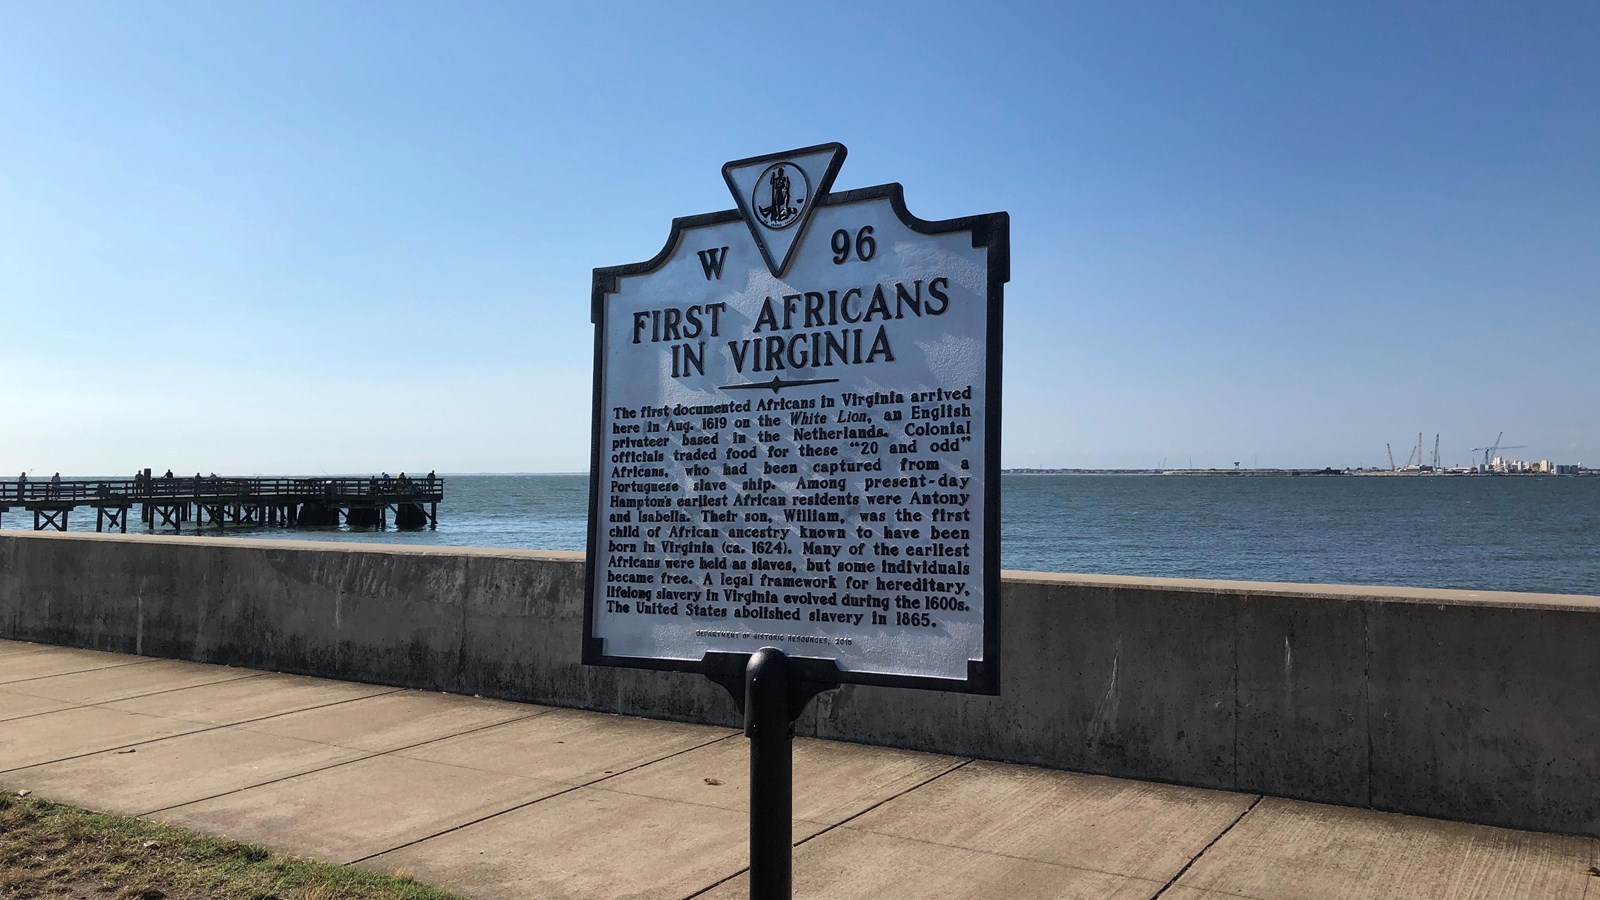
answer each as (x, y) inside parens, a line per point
(55, 486)
(22, 486)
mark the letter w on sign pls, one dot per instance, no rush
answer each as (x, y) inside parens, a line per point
(711, 261)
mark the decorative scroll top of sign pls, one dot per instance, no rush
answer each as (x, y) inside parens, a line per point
(776, 194)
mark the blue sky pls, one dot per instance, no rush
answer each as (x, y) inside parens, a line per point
(355, 236)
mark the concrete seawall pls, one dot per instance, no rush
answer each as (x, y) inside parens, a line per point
(1468, 705)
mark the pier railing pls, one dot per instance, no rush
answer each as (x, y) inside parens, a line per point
(221, 501)
(102, 491)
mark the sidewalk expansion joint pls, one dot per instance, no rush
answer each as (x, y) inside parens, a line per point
(1003, 855)
(561, 793)
(1212, 843)
(367, 755)
(206, 727)
(919, 785)
(138, 662)
(32, 648)
(287, 712)
(105, 704)
(846, 820)
(442, 737)
(108, 702)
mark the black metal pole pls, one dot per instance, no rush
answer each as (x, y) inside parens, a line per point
(768, 725)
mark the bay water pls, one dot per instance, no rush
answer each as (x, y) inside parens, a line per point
(1486, 533)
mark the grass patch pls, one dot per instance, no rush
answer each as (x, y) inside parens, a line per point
(52, 851)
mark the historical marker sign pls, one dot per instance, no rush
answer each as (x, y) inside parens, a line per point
(796, 436)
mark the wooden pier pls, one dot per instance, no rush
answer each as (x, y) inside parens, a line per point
(229, 502)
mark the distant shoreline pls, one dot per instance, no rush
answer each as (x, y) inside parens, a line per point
(1280, 473)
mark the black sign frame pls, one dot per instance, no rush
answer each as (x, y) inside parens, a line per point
(990, 232)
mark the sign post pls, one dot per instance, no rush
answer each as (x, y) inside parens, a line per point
(794, 476)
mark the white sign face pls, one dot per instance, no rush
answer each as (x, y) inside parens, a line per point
(796, 428)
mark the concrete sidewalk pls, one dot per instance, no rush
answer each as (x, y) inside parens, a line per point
(507, 800)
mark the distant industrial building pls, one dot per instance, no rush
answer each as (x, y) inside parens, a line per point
(1500, 465)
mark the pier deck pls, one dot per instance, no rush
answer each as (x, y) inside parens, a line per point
(229, 501)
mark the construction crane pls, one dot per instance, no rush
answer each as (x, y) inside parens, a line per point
(1496, 447)
(1413, 461)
